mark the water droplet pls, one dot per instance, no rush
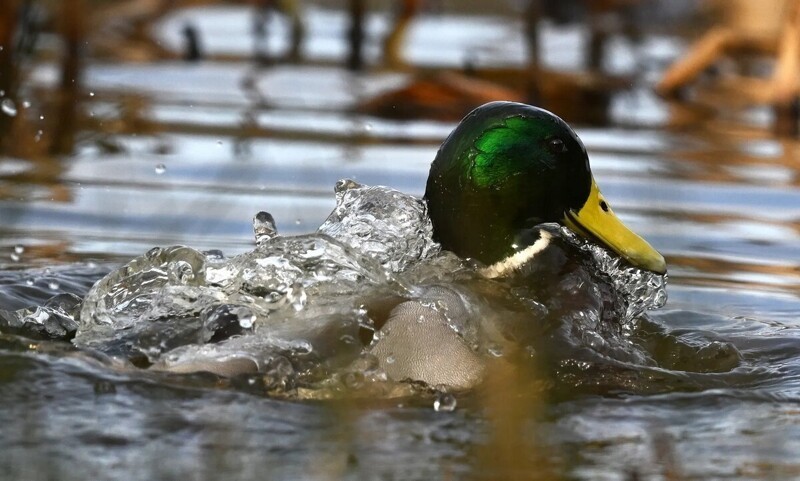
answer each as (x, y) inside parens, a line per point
(264, 227)
(180, 272)
(91, 94)
(160, 169)
(19, 249)
(345, 184)
(279, 374)
(390, 360)
(297, 222)
(41, 117)
(421, 319)
(444, 402)
(53, 285)
(367, 127)
(367, 364)
(364, 321)
(303, 348)
(246, 317)
(297, 296)
(224, 321)
(214, 254)
(15, 257)
(347, 339)
(660, 299)
(39, 316)
(38, 135)
(353, 380)
(26, 104)
(29, 281)
(495, 350)
(8, 107)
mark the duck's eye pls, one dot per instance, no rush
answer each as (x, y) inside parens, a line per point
(556, 146)
(604, 206)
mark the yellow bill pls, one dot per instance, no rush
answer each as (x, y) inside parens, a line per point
(596, 220)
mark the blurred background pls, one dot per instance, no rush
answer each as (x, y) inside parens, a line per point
(113, 110)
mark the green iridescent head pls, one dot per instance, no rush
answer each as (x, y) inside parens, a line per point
(509, 166)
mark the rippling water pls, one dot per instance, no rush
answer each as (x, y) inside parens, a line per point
(186, 158)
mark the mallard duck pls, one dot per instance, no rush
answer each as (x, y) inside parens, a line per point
(505, 169)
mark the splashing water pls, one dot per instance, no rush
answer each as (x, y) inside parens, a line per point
(264, 227)
(391, 227)
(53, 320)
(298, 300)
(174, 305)
(641, 290)
(132, 292)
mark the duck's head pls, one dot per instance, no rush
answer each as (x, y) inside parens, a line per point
(508, 167)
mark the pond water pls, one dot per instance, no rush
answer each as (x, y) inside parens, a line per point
(181, 153)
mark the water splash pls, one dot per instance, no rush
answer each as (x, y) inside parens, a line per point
(264, 227)
(300, 298)
(641, 290)
(391, 227)
(183, 309)
(125, 295)
(225, 320)
(54, 320)
(297, 296)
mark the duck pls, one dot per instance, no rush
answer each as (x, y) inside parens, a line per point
(505, 170)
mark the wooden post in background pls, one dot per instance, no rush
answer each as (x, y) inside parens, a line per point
(73, 31)
(9, 22)
(355, 35)
(533, 13)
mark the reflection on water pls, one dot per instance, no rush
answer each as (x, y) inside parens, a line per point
(172, 153)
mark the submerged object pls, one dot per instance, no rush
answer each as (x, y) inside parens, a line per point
(372, 287)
